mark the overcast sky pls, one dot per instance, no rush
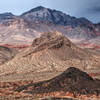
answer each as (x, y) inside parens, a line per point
(79, 8)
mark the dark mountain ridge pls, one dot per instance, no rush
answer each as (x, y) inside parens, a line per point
(45, 14)
(5, 17)
(56, 17)
(72, 80)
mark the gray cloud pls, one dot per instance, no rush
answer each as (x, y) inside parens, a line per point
(92, 12)
(95, 9)
(79, 8)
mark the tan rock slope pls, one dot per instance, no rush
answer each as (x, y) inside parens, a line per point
(17, 32)
(50, 52)
(6, 54)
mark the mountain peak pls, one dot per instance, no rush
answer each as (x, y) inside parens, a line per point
(41, 13)
(75, 72)
(74, 81)
(35, 9)
(6, 15)
(50, 39)
(40, 7)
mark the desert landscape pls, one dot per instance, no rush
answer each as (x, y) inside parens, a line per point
(46, 54)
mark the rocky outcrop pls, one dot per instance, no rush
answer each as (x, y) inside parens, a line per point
(72, 81)
(52, 51)
(6, 54)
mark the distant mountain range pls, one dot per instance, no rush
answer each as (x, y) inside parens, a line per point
(45, 14)
(56, 17)
(24, 28)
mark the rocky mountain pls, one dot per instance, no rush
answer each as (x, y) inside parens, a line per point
(72, 27)
(24, 28)
(5, 17)
(56, 17)
(50, 52)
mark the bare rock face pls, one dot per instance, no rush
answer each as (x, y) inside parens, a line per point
(51, 40)
(6, 54)
(72, 80)
(56, 17)
(17, 32)
(51, 52)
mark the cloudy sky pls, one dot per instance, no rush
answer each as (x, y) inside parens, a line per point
(79, 8)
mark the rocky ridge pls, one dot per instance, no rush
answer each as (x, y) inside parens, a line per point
(52, 51)
(71, 81)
